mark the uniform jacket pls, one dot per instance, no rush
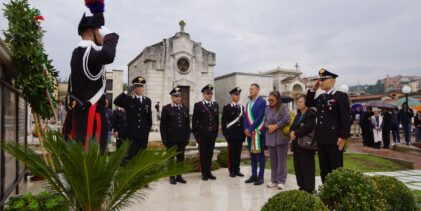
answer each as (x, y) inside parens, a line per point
(82, 87)
(119, 122)
(175, 124)
(333, 116)
(205, 120)
(230, 112)
(138, 115)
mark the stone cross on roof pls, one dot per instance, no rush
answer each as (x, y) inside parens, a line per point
(182, 25)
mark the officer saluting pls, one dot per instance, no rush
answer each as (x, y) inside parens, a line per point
(175, 128)
(138, 116)
(333, 122)
(232, 128)
(205, 130)
(86, 100)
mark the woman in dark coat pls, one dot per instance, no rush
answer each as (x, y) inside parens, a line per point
(304, 123)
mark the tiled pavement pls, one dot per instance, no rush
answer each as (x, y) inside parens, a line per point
(411, 178)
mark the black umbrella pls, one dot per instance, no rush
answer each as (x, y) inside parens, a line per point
(379, 104)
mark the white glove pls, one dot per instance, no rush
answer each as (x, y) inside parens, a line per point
(104, 31)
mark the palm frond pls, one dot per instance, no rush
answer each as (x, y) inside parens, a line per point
(148, 166)
(90, 180)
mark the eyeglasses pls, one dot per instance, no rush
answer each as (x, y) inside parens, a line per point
(209, 93)
(271, 100)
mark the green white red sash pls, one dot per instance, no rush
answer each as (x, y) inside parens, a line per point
(255, 138)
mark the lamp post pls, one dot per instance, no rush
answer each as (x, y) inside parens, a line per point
(406, 90)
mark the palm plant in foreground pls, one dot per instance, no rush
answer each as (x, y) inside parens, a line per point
(91, 181)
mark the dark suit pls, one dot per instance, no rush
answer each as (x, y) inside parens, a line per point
(386, 127)
(175, 128)
(303, 158)
(205, 130)
(234, 134)
(139, 121)
(119, 124)
(367, 128)
(333, 122)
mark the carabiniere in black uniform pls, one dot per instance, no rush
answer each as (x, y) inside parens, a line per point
(333, 122)
(175, 129)
(205, 130)
(119, 124)
(138, 117)
(86, 100)
(232, 127)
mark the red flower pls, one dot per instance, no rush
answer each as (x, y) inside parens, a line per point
(39, 18)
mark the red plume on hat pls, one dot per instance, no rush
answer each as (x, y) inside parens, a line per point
(95, 6)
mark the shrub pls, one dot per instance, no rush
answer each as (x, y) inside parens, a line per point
(346, 189)
(222, 158)
(394, 194)
(193, 164)
(293, 200)
(43, 201)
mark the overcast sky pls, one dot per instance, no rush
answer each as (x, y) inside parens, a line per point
(360, 40)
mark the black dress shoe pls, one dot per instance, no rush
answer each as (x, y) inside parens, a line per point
(180, 179)
(173, 181)
(211, 176)
(258, 181)
(204, 178)
(239, 174)
(232, 174)
(251, 179)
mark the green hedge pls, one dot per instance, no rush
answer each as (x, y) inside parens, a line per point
(222, 158)
(193, 162)
(293, 200)
(346, 189)
(394, 194)
(44, 201)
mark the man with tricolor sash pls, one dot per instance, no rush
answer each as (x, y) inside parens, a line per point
(255, 132)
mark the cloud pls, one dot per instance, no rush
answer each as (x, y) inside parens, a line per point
(360, 40)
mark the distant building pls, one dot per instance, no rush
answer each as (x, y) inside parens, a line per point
(175, 61)
(288, 82)
(415, 86)
(114, 84)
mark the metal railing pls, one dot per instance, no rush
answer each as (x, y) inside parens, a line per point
(13, 127)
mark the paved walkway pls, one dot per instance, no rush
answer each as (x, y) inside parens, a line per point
(225, 193)
(411, 178)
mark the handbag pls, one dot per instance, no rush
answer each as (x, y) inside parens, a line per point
(307, 141)
(286, 129)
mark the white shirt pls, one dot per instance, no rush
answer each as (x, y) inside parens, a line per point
(332, 91)
(207, 102)
(140, 97)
